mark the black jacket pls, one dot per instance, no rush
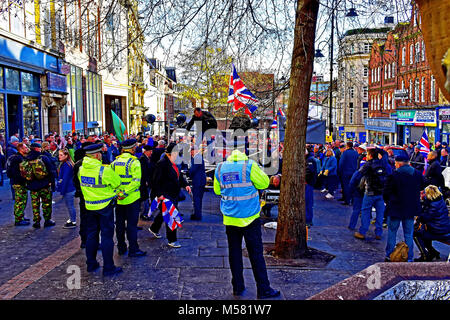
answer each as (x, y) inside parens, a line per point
(36, 184)
(76, 181)
(402, 193)
(13, 171)
(311, 170)
(375, 173)
(418, 161)
(147, 169)
(435, 215)
(433, 174)
(207, 119)
(156, 155)
(165, 181)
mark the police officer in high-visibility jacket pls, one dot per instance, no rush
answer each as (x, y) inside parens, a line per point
(100, 187)
(237, 180)
(128, 167)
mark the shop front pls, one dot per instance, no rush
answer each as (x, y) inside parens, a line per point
(23, 79)
(412, 123)
(381, 131)
(443, 129)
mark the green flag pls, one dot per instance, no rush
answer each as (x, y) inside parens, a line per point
(119, 127)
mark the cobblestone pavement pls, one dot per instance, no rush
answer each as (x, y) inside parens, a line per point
(43, 263)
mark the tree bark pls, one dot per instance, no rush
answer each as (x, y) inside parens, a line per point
(290, 241)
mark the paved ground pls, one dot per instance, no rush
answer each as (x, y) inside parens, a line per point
(42, 264)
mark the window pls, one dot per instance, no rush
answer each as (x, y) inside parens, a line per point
(366, 47)
(31, 116)
(351, 111)
(411, 54)
(403, 56)
(423, 50)
(416, 89)
(410, 90)
(417, 51)
(30, 82)
(385, 72)
(393, 69)
(351, 92)
(403, 88)
(75, 96)
(12, 79)
(365, 113)
(365, 71)
(385, 105)
(365, 92)
(432, 89)
(422, 91)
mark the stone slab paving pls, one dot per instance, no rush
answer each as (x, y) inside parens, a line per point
(199, 270)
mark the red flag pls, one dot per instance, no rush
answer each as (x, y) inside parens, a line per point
(73, 120)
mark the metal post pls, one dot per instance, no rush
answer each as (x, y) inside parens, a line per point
(330, 115)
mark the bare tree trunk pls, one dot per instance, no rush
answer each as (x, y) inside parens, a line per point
(290, 241)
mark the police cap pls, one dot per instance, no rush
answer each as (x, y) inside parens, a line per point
(129, 144)
(93, 148)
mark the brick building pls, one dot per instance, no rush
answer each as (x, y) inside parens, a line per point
(403, 95)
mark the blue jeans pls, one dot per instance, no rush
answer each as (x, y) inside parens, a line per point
(357, 205)
(129, 215)
(366, 214)
(331, 183)
(197, 196)
(102, 220)
(309, 203)
(69, 201)
(408, 229)
(345, 181)
(253, 242)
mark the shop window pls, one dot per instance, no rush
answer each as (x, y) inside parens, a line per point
(31, 123)
(30, 82)
(2, 115)
(12, 79)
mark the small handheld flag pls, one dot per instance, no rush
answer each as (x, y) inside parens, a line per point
(170, 213)
(424, 143)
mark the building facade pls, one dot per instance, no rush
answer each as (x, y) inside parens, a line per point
(353, 82)
(32, 82)
(402, 89)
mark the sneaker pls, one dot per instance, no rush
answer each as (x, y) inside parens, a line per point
(137, 254)
(49, 223)
(323, 190)
(329, 196)
(70, 225)
(269, 294)
(175, 244)
(37, 225)
(22, 223)
(155, 234)
(358, 235)
(385, 225)
(93, 268)
(239, 293)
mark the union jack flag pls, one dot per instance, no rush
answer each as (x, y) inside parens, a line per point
(240, 95)
(274, 124)
(424, 144)
(170, 213)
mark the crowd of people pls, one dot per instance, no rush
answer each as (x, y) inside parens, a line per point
(118, 180)
(406, 188)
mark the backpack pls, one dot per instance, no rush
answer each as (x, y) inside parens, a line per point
(33, 169)
(377, 178)
(400, 253)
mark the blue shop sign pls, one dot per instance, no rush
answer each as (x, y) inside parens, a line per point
(56, 82)
(383, 125)
(17, 55)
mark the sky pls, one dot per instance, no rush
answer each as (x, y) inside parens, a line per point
(371, 14)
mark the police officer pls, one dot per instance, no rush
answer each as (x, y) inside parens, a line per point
(237, 181)
(128, 167)
(100, 187)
